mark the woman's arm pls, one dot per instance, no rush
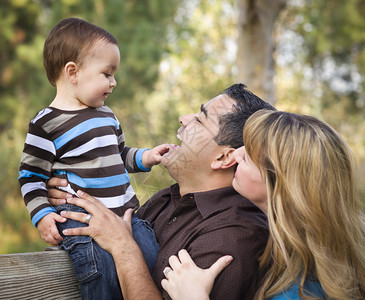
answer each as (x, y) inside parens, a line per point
(184, 280)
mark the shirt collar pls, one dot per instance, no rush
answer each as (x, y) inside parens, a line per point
(210, 202)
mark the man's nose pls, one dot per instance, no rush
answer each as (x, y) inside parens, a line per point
(186, 119)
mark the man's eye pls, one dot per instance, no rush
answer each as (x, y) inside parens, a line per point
(198, 120)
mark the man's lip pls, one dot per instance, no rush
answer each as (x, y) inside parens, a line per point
(179, 133)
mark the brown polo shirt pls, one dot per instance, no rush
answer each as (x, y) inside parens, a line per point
(209, 225)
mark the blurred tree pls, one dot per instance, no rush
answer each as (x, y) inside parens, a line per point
(333, 41)
(255, 58)
(19, 27)
(321, 50)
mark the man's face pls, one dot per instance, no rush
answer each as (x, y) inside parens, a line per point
(198, 148)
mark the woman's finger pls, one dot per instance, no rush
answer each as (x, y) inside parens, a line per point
(184, 257)
(174, 262)
(219, 265)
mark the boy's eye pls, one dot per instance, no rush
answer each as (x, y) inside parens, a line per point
(107, 74)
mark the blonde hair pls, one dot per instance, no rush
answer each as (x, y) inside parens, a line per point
(316, 223)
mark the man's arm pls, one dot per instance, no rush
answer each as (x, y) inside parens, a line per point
(114, 234)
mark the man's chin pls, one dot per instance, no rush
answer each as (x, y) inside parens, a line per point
(169, 159)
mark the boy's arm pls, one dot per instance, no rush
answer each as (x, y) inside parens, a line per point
(139, 160)
(35, 169)
(153, 157)
(143, 159)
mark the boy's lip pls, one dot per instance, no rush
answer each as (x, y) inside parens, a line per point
(107, 94)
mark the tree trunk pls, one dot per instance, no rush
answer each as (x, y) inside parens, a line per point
(255, 59)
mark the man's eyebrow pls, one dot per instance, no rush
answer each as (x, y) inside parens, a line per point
(204, 110)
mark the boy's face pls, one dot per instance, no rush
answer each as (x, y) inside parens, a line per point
(95, 76)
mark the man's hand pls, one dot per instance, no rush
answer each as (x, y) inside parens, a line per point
(105, 227)
(114, 234)
(153, 157)
(55, 196)
(48, 229)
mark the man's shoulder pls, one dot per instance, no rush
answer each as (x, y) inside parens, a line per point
(153, 206)
(241, 226)
(166, 191)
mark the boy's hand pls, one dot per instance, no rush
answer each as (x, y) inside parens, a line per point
(153, 157)
(48, 229)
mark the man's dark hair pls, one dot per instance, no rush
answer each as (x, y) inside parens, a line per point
(231, 124)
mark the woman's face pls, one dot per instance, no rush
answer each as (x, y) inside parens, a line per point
(248, 181)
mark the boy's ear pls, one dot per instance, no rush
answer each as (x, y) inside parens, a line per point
(70, 70)
(224, 160)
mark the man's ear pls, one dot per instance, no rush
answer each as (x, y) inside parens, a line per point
(70, 70)
(224, 160)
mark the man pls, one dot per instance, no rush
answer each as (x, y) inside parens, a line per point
(201, 213)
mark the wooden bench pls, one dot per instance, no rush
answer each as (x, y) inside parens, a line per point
(38, 275)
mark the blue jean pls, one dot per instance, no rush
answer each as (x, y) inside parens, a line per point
(94, 266)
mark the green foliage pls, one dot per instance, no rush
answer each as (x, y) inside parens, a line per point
(326, 77)
(334, 41)
(18, 20)
(140, 27)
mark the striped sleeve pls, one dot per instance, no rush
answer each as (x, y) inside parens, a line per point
(132, 157)
(35, 169)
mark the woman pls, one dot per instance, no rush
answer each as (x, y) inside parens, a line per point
(301, 173)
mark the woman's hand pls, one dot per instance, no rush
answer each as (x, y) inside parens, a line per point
(105, 227)
(184, 280)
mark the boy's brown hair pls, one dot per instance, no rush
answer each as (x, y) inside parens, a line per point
(71, 40)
